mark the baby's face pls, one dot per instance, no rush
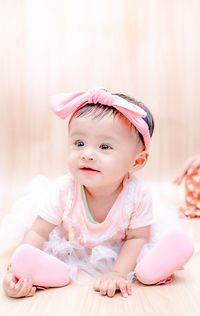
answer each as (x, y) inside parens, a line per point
(101, 150)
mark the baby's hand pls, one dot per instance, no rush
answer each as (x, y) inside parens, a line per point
(191, 164)
(112, 281)
(19, 288)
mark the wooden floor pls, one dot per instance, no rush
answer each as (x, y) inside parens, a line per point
(181, 297)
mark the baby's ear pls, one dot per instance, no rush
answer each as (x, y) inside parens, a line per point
(140, 160)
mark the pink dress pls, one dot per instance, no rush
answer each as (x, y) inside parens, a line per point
(64, 207)
(77, 239)
(84, 244)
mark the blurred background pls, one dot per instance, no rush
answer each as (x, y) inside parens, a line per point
(148, 49)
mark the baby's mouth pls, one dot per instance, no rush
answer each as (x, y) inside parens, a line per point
(89, 169)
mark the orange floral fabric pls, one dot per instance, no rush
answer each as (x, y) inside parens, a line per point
(192, 195)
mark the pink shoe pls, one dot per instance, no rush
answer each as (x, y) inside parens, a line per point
(165, 281)
(44, 270)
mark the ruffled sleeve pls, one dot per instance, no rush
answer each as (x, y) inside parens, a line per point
(142, 213)
(52, 207)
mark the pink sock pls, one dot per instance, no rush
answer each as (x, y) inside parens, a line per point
(169, 254)
(44, 270)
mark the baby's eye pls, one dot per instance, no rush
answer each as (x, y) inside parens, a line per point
(105, 146)
(79, 143)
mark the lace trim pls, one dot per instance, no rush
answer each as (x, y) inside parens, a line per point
(129, 200)
(71, 194)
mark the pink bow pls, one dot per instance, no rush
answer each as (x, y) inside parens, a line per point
(65, 104)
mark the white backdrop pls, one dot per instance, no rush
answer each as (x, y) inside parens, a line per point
(148, 49)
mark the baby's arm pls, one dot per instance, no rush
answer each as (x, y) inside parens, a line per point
(39, 233)
(126, 262)
(36, 236)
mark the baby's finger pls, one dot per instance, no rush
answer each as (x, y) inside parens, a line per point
(177, 180)
(190, 171)
(32, 291)
(103, 287)
(13, 289)
(28, 287)
(123, 289)
(193, 167)
(182, 174)
(11, 285)
(129, 287)
(23, 288)
(96, 285)
(187, 166)
(18, 286)
(195, 164)
(111, 288)
(8, 284)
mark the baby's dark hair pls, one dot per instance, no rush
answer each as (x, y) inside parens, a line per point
(99, 110)
(148, 118)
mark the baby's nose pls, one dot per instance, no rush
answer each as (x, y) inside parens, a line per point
(87, 156)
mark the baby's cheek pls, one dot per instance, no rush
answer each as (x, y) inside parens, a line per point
(72, 162)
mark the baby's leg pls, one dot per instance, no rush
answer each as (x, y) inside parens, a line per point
(169, 254)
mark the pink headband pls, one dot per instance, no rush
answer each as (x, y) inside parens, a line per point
(65, 104)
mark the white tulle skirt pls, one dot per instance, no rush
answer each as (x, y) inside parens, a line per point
(94, 261)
